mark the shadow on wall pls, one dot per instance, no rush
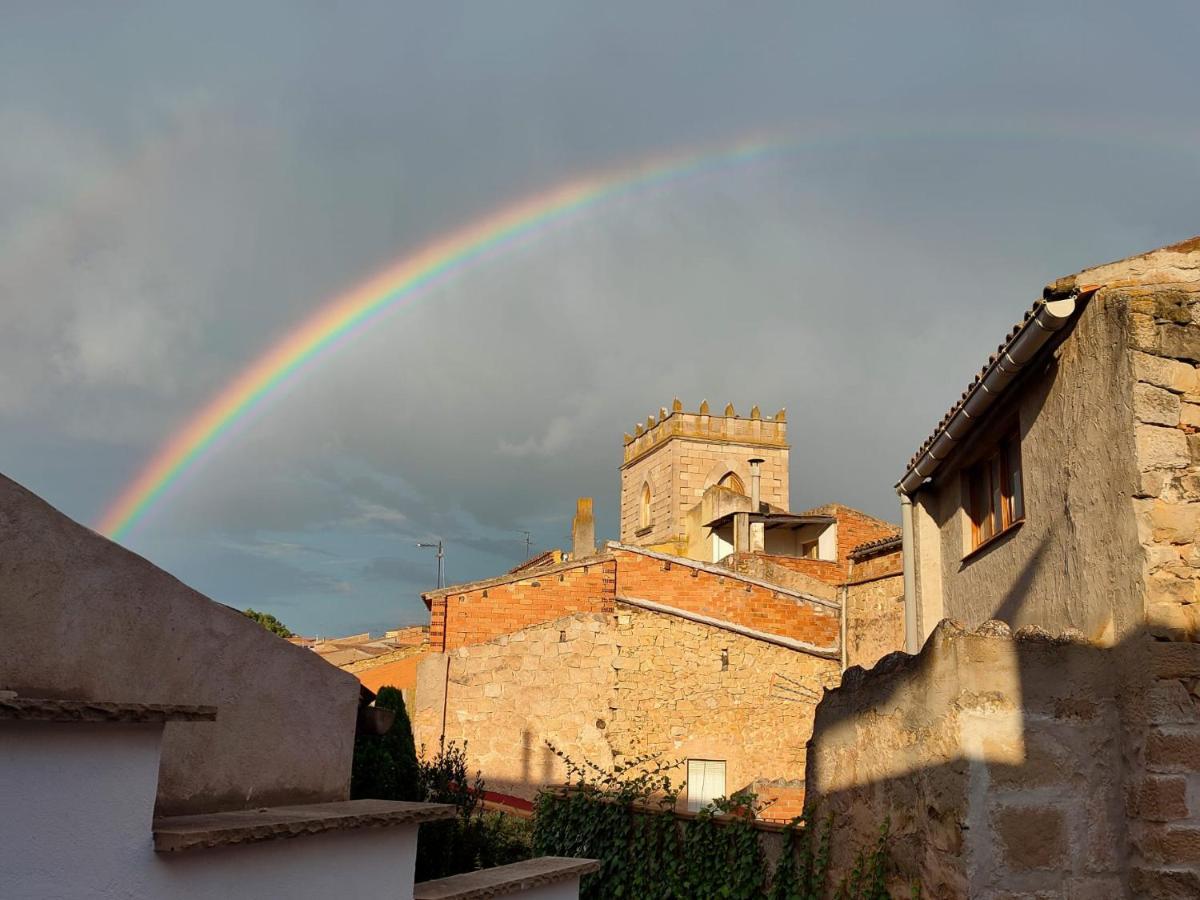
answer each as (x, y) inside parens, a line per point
(1017, 762)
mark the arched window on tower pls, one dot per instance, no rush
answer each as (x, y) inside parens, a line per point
(733, 482)
(644, 512)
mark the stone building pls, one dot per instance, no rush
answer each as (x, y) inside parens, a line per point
(1047, 740)
(706, 635)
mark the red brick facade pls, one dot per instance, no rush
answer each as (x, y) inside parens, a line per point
(473, 614)
(726, 596)
(476, 613)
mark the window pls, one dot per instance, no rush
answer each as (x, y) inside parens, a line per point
(644, 514)
(733, 482)
(808, 550)
(994, 491)
(705, 782)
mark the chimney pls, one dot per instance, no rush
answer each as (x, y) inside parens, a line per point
(583, 530)
(756, 483)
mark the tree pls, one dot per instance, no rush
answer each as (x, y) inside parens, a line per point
(385, 765)
(269, 622)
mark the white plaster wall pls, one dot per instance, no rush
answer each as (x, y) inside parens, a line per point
(77, 802)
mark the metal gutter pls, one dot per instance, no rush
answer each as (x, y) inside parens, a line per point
(1046, 318)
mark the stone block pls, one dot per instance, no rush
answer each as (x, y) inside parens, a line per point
(1175, 659)
(1169, 844)
(1189, 415)
(1159, 798)
(1173, 620)
(1157, 406)
(1031, 837)
(1165, 885)
(1174, 523)
(1161, 448)
(1175, 750)
(1143, 333)
(1171, 374)
(1179, 342)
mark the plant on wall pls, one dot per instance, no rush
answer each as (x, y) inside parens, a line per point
(625, 817)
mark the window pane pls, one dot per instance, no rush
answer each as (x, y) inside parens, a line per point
(705, 782)
(997, 507)
(1015, 487)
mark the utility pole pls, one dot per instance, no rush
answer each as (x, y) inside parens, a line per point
(441, 556)
(528, 544)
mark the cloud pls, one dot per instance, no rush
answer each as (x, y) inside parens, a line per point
(183, 203)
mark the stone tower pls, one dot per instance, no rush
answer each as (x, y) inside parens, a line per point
(672, 460)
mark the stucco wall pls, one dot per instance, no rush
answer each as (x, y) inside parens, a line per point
(599, 686)
(999, 761)
(1075, 560)
(84, 618)
(85, 795)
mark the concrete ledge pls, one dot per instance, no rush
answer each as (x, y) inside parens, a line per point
(502, 880)
(39, 709)
(247, 826)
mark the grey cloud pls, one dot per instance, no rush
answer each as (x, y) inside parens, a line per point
(174, 206)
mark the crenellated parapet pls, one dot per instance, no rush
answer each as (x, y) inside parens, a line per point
(725, 428)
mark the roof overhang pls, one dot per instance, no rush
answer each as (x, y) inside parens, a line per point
(1045, 319)
(772, 520)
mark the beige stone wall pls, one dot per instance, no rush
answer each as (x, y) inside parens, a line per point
(1069, 565)
(600, 686)
(874, 619)
(682, 455)
(998, 760)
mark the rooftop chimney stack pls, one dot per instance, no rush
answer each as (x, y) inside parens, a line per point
(583, 530)
(756, 483)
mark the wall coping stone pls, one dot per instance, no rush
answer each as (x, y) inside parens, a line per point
(247, 826)
(502, 880)
(44, 709)
(752, 633)
(511, 577)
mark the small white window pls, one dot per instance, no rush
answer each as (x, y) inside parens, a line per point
(705, 782)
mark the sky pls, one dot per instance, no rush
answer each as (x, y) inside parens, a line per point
(182, 184)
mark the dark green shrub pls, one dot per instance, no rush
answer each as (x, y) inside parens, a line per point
(473, 839)
(385, 765)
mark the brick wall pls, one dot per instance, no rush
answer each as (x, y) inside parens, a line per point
(480, 613)
(877, 565)
(726, 597)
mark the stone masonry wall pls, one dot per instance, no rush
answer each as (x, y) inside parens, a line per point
(874, 619)
(1161, 293)
(681, 454)
(474, 614)
(999, 761)
(702, 590)
(600, 686)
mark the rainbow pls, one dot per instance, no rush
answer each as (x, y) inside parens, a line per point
(353, 312)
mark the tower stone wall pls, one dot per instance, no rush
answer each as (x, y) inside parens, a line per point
(679, 455)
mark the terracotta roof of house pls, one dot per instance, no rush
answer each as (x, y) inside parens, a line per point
(879, 545)
(979, 376)
(547, 558)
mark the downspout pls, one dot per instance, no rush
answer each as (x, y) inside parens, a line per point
(844, 596)
(912, 640)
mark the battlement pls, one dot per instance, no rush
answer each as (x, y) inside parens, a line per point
(726, 428)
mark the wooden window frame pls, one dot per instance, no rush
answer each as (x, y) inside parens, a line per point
(994, 491)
